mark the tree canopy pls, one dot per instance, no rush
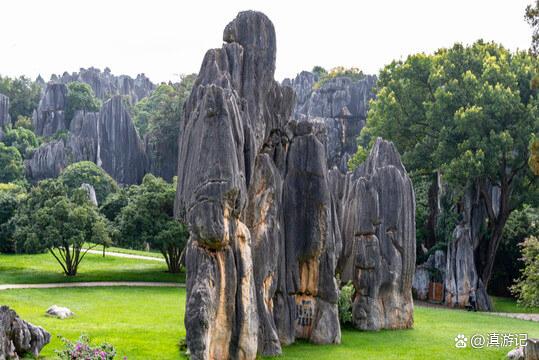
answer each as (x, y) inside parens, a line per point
(54, 220)
(23, 93)
(87, 172)
(11, 164)
(80, 96)
(470, 113)
(22, 139)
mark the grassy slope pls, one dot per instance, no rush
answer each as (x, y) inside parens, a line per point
(152, 253)
(43, 268)
(510, 306)
(146, 323)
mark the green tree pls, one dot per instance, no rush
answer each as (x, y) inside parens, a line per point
(24, 122)
(11, 164)
(319, 71)
(87, 172)
(339, 71)
(23, 93)
(148, 220)
(469, 113)
(23, 139)
(114, 203)
(80, 96)
(527, 287)
(53, 220)
(11, 196)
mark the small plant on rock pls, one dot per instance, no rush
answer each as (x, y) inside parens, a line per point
(345, 304)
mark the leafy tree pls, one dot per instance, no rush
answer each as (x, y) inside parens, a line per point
(508, 264)
(80, 96)
(22, 139)
(113, 204)
(534, 156)
(87, 172)
(24, 122)
(469, 113)
(53, 220)
(527, 287)
(11, 196)
(148, 219)
(11, 165)
(23, 93)
(319, 71)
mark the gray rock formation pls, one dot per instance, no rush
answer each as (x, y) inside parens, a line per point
(340, 104)
(265, 214)
(377, 219)
(49, 118)
(91, 193)
(107, 138)
(19, 338)
(462, 282)
(5, 119)
(433, 270)
(105, 84)
(60, 311)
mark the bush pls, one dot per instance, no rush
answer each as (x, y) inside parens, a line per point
(527, 287)
(80, 96)
(22, 139)
(339, 71)
(83, 350)
(24, 122)
(345, 304)
(11, 196)
(11, 164)
(87, 172)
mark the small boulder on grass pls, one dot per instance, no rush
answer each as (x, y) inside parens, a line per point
(516, 354)
(60, 312)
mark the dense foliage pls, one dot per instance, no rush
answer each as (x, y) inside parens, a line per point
(11, 196)
(11, 163)
(80, 96)
(469, 113)
(532, 17)
(344, 304)
(23, 93)
(527, 288)
(87, 172)
(148, 220)
(21, 138)
(52, 219)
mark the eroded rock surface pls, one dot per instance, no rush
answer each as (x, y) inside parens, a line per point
(107, 138)
(340, 104)
(377, 218)
(265, 214)
(49, 118)
(18, 337)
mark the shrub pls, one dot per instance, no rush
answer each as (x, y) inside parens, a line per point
(345, 304)
(527, 287)
(11, 164)
(87, 172)
(82, 349)
(80, 96)
(339, 71)
(22, 139)
(11, 196)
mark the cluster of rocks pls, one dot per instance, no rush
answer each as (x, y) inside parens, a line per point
(107, 138)
(432, 270)
(105, 84)
(18, 337)
(340, 107)
(270, 225)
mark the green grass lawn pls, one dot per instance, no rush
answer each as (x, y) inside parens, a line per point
(43, 268)
(150, 253)
(509, 305)
(147, 323)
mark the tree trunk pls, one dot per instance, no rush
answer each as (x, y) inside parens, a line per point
(172, 256)
(434, 209)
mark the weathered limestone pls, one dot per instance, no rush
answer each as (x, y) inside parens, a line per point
(340, 104)
(266, 216)
(105, 84)
(108, 138)
(49, 118)
(18, 338)
(5, 119)
(431, 270)
(462, 283)
(378, 231)
(59, 311)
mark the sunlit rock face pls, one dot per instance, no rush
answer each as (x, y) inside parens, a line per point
(340, 105)
(49, 117)
(377, 218)
(265, 214)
